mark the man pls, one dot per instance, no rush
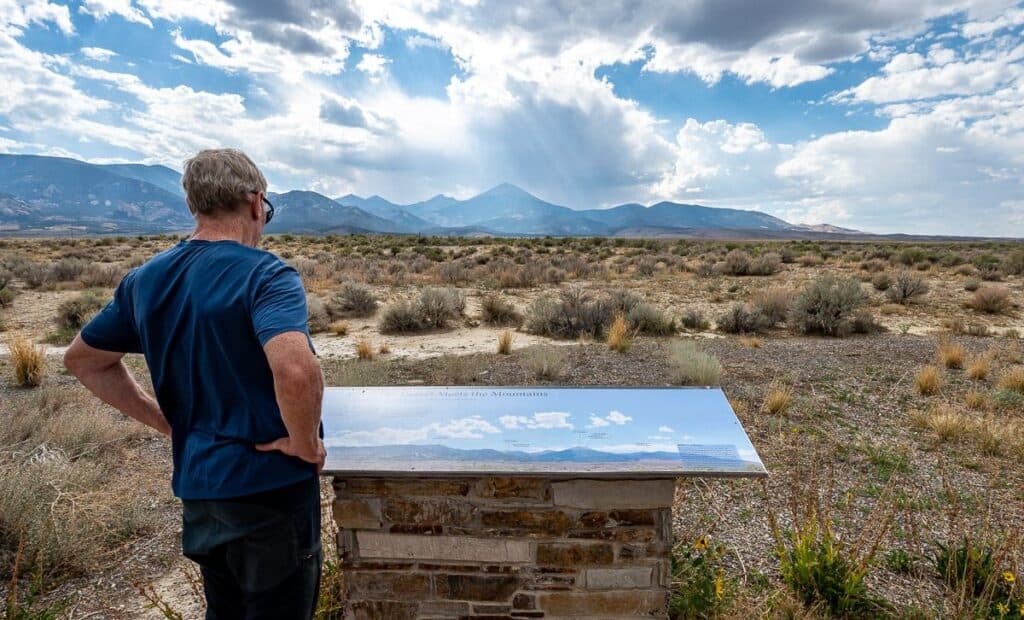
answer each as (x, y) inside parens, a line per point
(238, 388)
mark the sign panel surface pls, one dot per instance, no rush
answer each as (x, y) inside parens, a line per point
(552, 431)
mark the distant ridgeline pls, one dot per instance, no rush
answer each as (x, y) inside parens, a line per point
(57, 195)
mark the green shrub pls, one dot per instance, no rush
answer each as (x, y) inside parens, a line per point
(76, 312)
(438, 307)
(971, 570)
(881, 282)
(699, 588)
(6, 297)
(825, 307)
(822, 571)
(400, 317)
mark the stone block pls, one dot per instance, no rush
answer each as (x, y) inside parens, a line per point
(401, 487)
(574, 554)
(546, 522)
(375, 610)
(357, 514)
(643, 603)
(378, 585)
(443, 548)
(513, 489)
(613, 494)
(619, 578)
(489, 588)
(453, 609)
(420, 511)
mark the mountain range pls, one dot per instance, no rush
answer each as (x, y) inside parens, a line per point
(57, 195)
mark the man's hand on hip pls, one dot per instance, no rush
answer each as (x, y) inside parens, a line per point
(314, 453)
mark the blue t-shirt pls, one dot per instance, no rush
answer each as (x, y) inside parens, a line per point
(201, 312)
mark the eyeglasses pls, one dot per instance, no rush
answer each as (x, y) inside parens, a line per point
(269, 210)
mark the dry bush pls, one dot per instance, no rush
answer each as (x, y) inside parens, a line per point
(318, 318)
(646, 319)
(991, 300)
(890, 309)
(96, 275)
(544, 363)
(438, 307)
(400, 317)
(496, 311)
(810, 260)
(906, 288)
(972, 284)
(384, 348)
(742, 319)
(752, 342)
(68, 269)
(778, 399)
(29, 362)
(978, 368)
(1013, 380)
(951, 354)
(339, 328)
(976, 400)
(765, 265)
(882, 282)
(694, 319)
(619, 338)
(574, 313)
(826, 306)
(928, 381)
(691, 366)
(736, 263)
(353, 300)
(505, 339)
(364, 349)
(76, 312)
(774, 304)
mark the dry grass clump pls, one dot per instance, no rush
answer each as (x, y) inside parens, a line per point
(694, 319)
(496, 311)
(364, 349)
(752, 342)
(691, 366)
(619, 338)
(544, 363)
(29, 362)
(505, 342)
(890, 309)
(946, 422)
(384, 348)
(778, 399)
(774, 304)
(339, 328)
(64, 496)
(976, 400)
(978, 368)
(991, 300)
(928, 381)
(951, 354)
(1013, 380)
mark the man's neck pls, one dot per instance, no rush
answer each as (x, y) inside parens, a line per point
(224, 229)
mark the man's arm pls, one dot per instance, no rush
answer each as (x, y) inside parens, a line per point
(104, 374)
(299, 388)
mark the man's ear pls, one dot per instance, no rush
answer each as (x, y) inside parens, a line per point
(256, 206)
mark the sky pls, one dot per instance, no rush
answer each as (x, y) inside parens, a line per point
(880, 116)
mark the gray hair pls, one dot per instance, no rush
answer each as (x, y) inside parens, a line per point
(220, 180)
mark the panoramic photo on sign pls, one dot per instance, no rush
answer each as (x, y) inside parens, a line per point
(544, 430)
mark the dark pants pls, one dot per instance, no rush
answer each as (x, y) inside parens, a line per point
(260, 554)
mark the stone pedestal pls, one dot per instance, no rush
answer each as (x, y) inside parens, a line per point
(504, 547)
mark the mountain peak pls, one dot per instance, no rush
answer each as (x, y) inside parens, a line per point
(506, 190)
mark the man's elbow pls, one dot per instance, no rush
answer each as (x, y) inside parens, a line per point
(73, 359)
(300, 376)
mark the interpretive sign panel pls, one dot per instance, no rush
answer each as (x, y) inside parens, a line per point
(551, 431)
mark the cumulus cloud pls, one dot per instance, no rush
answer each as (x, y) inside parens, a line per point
(98, 53)
(542, 420)
(472, 427)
